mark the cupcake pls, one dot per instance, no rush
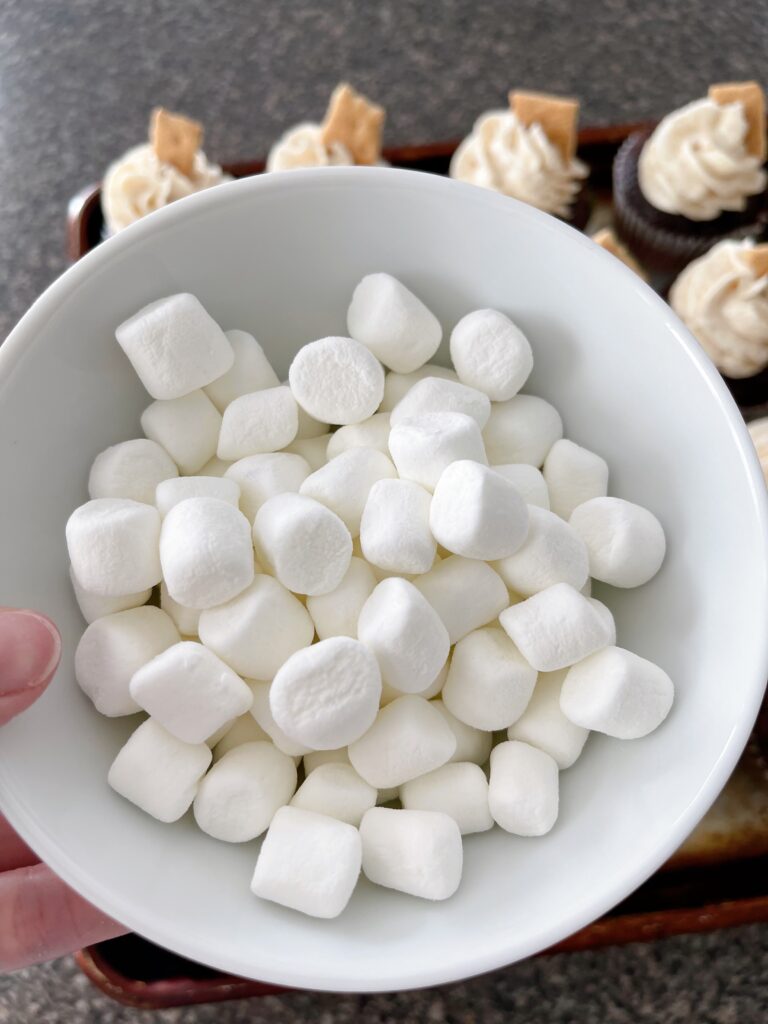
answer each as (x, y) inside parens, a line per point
(349, 134)
(168, 167)
(607, 240)
(528, 152)
(695, 179)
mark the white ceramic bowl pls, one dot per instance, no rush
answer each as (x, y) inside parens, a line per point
(279, 256)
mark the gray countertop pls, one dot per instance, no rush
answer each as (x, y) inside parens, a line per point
(77, 81)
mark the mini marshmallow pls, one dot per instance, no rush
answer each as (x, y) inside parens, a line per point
(132, 469)
(93, 607)
(158, 772)
(552, 553)
(262, 713)
(327, 695)
(214, 467)
(308, 862)
(187, 427)
(186, 620)
(626, 542)
(336, 613)
(617, 692)
(476, 513)
(543, 724)
(175, 346)
(390, 693)
(491, 354)
(112, 648)
(523, 792)
(257, 631)
(261, 477)
(406, 635)
(465, 593)
(190, 691)
(343, 484)
(573, 475)
(336, 790)
(315, 758)
(337, 380)
(394, 528)
(113, 546)
(459, 790)
(250, 371)
(608, 619)
(309, 427)
(424, 446)
(393, 323)
(408, 738)
(314, 450)
(206, 552)
(528, 480)
(305, 544)
(215, 737)
(489, 682)
(397, 385)
(522, 430)
(435, 394)
(239, 796)
(263, 421)
(171, 492)
(471, 744)
(417, 852)
(371, 433)
(556, 627)
(244, 729)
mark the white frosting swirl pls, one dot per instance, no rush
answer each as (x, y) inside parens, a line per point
(503, 154)
(696, 162)
(303, 146)
(725, 307)
(139, 183)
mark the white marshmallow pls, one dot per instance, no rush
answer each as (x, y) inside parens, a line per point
(343, 484)
(257, 631)
(552, 553)
(206, 552)
(337, 380)
(617, 692)
(417, 852)
(422, 447)
(489, 683)
(215, 737)
(573, 475)
(261, 477)
(528, 480)
(132, 469)
(491, 353)
(309, 427)
(524, 791)
(185, 619)
(308, 862)
(214, 467)
(394, 528)
(336, 613)
(93, 607)
(476, 513)
(408, 738)
(190, 691)
(171, 492)
(239, 796)
(625, 541)
(522, 430)
(305, 544)
(397, 385)
(465, 593)
(336, 790)
(262, 713)
(113, 546)
(371, 433)
(390, 693)
(187, 427)
(607, 615)
(175, 346)
(263, 421)
(471, 744)
(406, 635)
(394, 324)
(314, 450)
(112, 648)
(556, 627)
(244, 729)
(435, 394)
(543, 724)
(250, 371)
(459, 790)
(315, 758)
(158, 772)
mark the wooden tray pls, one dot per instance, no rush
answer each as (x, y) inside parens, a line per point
(718, 878)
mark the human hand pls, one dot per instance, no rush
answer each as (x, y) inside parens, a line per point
(40, 917)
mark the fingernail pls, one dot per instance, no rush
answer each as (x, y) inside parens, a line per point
(29, 649)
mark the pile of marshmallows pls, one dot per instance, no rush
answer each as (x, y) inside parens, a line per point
(420, 585)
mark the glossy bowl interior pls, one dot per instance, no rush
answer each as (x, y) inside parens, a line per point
(279, 256)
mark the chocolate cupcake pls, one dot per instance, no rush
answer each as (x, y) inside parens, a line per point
(528, 152)
(694, 180)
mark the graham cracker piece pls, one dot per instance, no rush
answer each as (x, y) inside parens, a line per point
(355, 122)
(752, 97)
(557, 115)
(175, 139)
(757, 259)
(607, 240)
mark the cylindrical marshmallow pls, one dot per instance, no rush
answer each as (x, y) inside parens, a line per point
(187, 427)
(131, 469)
(543, 724)
(524, 790)
(315, 758)
(528, 480)
(465, 593)
(261, 477)
(458, 789)
(336, 613)
(394, 527)
(314, 450)
(93, 607)
(424, 446)
(573, 475)
(262, 713)
(113, 546)
(214, 467)
(393, 323)
(397, 385)
(522, 430)
(171, 492)
(370, 433)
(185, 619)
(262, 421)
(244, 729)
(337, 380)
(343, 484)
(436, 394)
(626, 542)
(389, 693)
(338, 791)
(491, 354)
(250, 371)
(471, 744)
(552, 553)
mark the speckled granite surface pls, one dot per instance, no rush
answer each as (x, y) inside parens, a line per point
(77, 80)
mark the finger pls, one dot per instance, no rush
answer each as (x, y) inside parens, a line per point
(42, 918)
(14, 852)
(30, 647)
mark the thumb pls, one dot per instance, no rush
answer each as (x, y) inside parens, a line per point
(30, 647)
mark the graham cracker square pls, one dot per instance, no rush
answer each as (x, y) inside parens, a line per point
(557, 115)
(355, 122)
(751, 95)
(175, 139)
